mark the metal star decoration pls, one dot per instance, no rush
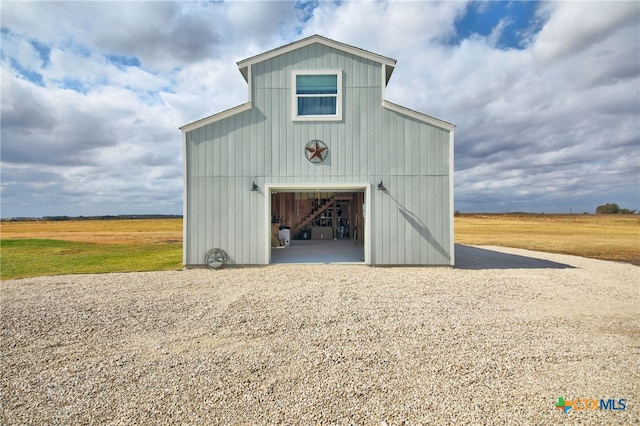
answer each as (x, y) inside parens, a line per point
(316, 151)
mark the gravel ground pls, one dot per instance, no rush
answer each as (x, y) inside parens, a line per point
(495, 341)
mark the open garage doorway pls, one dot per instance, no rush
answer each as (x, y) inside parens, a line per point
(318, 224)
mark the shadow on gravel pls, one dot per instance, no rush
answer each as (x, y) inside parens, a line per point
(476, 258)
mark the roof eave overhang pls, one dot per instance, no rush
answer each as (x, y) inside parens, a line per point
(216, 117)
(419, 116)
(388, 63)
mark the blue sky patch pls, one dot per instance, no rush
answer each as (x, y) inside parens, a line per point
(305, 9)
(27, 74)
(43, 51)
(75, 85)
(123, 61)
(482, 17)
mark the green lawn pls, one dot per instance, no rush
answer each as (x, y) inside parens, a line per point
(21, 258)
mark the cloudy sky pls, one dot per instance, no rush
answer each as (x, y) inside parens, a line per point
(545, 96)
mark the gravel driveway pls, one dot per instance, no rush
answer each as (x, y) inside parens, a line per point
(495, 341)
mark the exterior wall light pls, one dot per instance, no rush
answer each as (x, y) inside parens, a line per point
(381, 187)
(254, 187)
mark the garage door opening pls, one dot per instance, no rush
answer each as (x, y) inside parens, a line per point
(318, 226)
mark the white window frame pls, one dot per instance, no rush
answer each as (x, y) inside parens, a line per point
(294, 96)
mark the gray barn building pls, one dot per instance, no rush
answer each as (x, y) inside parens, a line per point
(318, 152)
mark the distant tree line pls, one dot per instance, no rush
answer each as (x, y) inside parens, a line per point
(104, 217)
(612, 208)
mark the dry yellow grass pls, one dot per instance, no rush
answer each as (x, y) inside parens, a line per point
(135, 231)
(609, 237)
(93, 246)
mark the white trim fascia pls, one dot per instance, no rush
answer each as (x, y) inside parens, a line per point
(367, 224)
(249, 85)
(267, 219)
(452, 244)
(320, 187)
(418, 115)
(384, 83)
(184, 199)
(216, 117)
(246, 63)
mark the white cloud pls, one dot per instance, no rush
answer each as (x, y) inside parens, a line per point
(387, 28)
(552, 125)
(576, 27)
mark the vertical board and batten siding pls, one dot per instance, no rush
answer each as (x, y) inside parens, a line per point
(410, 222)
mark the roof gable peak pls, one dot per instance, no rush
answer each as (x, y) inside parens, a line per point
(389, 63)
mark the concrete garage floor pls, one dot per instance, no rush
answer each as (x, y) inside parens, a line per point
(318, 251)
(343, 251)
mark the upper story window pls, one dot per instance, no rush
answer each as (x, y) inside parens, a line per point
(317, 95)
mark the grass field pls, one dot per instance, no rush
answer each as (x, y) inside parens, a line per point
(608, 237)
(103, 232)
(93, 246)
(100, 246)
